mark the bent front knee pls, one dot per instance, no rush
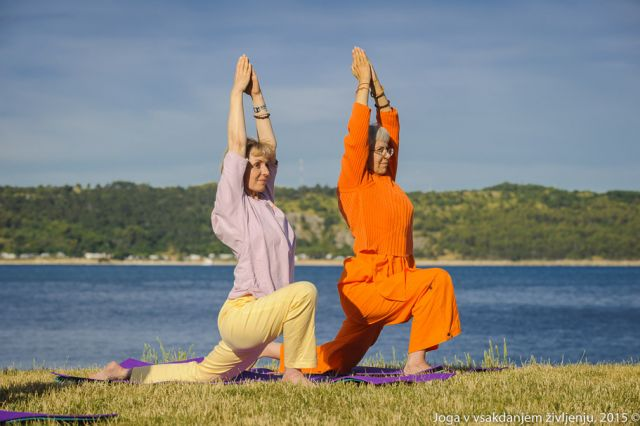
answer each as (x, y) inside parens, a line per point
(441, 278)
(445, 281)
(305, 290)
(442, 275)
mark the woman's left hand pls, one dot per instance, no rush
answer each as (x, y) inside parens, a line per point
(254, 86)
(374, 76)
(377, 87)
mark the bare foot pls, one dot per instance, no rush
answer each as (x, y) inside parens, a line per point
(112, 371)
(295, 376)
(272, 350)
(416, 362)
(415, 368)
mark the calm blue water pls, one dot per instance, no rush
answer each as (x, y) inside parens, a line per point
(87, 315)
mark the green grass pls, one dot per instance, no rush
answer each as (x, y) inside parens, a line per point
(533, 389)
(162, 354)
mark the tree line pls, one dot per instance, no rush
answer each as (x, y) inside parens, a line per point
(506, 221)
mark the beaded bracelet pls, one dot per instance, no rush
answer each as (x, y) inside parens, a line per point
(373, 91)
(257, 109)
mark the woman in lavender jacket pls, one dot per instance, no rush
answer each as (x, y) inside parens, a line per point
(264, 301)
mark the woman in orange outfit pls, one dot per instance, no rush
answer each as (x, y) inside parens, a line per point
(380, 285)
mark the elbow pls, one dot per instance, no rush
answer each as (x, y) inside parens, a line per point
(237, 144)
(269, 142)
(213, 220)
(216, 220)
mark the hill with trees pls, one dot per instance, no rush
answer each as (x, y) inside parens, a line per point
(507, 221)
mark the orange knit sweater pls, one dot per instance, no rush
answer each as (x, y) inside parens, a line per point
(378, 212)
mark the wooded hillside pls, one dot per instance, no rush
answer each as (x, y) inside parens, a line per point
(502, 222)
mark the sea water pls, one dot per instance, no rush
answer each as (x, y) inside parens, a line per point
(72, 316)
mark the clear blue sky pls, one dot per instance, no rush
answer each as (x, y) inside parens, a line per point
(543, 92)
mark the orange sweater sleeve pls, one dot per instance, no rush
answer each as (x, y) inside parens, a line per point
(390, 121)
(356, 148)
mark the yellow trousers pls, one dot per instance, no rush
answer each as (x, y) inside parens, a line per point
(247, 325)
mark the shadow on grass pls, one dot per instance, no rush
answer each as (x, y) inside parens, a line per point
(24, 391)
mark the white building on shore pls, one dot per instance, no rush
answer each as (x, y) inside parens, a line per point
(97, 256)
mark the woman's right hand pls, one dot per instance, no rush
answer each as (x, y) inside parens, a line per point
(360, 66)
(243, 74)
(377, 87)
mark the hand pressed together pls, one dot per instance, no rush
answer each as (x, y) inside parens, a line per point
(360, 66)
(242, 76)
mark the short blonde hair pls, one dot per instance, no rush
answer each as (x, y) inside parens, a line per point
(262, 148)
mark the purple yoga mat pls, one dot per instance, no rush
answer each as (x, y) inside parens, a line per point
(382, 371)
(133, 363)
(19, 416)
(127, 363)
(370, 375)
(386, 380)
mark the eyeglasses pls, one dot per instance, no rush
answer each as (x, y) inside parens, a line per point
(382, 151)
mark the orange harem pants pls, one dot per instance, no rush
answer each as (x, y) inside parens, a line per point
(378, 290)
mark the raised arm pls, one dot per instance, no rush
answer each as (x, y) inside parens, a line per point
(378, 94)
(236, 130)
(266, 135)
(387, 117)
(356, 143)
(226, 217)
(361, 70)
(261, 113)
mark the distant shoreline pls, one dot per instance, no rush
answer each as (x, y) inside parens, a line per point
(322, 262)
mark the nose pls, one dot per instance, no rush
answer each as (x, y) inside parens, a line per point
(264, 170)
